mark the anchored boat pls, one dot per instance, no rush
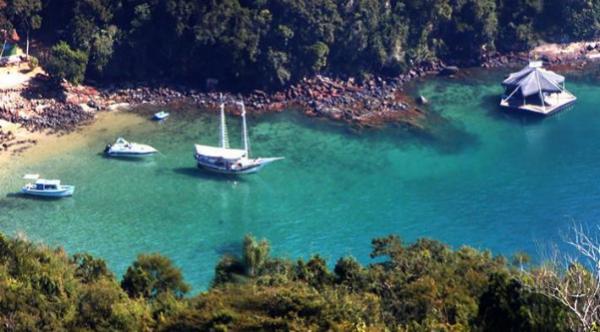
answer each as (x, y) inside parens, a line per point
(122, 148)
(46, 188)
(160, 116)
(225, 160)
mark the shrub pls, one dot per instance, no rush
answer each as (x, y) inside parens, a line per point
(66, 63)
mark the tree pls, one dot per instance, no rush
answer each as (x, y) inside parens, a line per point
(66, 63)
(153, 275)
(318, 53)
(103, 306)
(350, 273)
(89, 17)
(508, 305)
(4, 22)
(517, 19)
(582, 18)
(314, 272)
(574, 281)
(471, 30)
(101, 49)
(25, 15)
(90, 269)
(256, 254)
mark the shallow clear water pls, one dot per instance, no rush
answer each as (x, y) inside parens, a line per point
(485, 178)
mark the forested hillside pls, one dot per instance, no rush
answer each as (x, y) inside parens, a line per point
(269, 43)
(425, 286)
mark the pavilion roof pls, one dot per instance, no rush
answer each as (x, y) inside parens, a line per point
(534, 79)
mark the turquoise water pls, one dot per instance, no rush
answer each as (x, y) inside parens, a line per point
(484, 178)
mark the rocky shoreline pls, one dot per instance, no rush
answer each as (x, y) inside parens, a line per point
(371, 102)
(40, 105)
(553, 55)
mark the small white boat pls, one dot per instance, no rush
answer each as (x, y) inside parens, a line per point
(46, 188)
(160, 116)
(122, 148)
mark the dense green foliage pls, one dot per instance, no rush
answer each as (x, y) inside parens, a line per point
(20, 14)
(424, 286)
(42, 289)
(153, 275)
(65, 63)
(270, 43)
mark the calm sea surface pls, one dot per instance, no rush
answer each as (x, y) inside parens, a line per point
(484, 178)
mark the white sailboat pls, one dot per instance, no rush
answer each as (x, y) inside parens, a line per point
(225, 160)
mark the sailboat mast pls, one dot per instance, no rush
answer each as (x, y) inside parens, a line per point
(245, 130)
(224, 136)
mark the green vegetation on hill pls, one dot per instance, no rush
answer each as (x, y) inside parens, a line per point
(423, 286)
(65, 63)
(270, 43)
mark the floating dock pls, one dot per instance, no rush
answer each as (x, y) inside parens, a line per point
(536, 90)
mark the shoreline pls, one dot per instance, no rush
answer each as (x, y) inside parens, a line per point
(35, 109)
(51, 144)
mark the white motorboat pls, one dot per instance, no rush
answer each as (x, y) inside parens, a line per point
(225, 160)
(122, 148)
(160, 116)
(46, 188)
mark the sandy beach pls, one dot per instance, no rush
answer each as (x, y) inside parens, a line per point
(48, 144)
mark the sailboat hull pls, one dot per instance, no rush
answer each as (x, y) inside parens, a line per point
(222, 170)
(255, 166)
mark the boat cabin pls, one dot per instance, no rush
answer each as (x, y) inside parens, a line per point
(47, 184)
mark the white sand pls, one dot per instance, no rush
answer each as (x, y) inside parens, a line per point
(16, 76)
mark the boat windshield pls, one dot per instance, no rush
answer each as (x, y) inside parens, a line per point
(121, 140)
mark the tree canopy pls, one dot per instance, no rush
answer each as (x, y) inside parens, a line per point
(271, 43)
(422, 286)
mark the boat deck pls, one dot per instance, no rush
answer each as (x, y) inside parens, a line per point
(554, 103)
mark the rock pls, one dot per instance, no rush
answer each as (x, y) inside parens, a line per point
(119, 106)
(91, 103)
(422, 100)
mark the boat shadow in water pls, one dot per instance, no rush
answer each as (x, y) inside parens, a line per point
(206, 175)
(124, 158)
(32, 197)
